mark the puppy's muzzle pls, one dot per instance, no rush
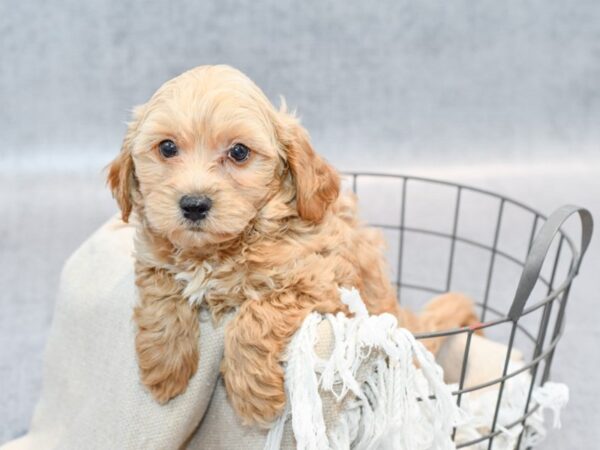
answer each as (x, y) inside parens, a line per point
(195, 208)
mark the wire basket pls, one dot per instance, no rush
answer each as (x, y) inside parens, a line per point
(517, 264)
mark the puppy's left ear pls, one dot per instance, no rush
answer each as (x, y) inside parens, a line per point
(121, 178)
(317, 183)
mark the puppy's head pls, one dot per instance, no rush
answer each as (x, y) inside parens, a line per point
(207, 152)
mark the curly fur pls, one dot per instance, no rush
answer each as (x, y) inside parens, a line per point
(276, 245)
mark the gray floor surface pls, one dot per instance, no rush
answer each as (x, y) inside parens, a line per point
(46, 214)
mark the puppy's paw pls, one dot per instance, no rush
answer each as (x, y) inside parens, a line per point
(166, 375)
(166, 364)
(167, 345)
(257, 395)
(167, 389)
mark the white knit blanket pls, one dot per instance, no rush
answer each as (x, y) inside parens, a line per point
(357, 388)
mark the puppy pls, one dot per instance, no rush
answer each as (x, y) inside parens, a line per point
(234, 210)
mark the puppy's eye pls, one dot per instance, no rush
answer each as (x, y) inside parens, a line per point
(239, 153)
(167, 148)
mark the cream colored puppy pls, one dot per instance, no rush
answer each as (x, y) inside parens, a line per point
(235, 210)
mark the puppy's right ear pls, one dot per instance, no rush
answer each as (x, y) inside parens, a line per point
(317, 183)
(121, 178)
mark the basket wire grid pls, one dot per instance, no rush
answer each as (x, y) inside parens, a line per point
(535, 315)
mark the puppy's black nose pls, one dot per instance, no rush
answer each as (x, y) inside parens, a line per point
(195, 208)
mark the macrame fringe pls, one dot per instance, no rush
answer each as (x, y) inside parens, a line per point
(389, 402)
(480, 408)
(392, 392)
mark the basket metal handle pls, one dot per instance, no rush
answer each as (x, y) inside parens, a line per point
(539, 250)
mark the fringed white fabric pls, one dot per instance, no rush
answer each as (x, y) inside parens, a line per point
(392, 392)
(389, 403)
(480, 408)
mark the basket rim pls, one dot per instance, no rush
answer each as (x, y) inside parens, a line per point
(355, 174)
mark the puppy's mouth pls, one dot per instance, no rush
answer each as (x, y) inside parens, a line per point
(199, 233)
(201, 226)
(196, 226)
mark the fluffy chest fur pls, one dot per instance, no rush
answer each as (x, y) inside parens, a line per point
(308, 265)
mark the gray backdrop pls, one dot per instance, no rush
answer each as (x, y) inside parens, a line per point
(501, 94)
